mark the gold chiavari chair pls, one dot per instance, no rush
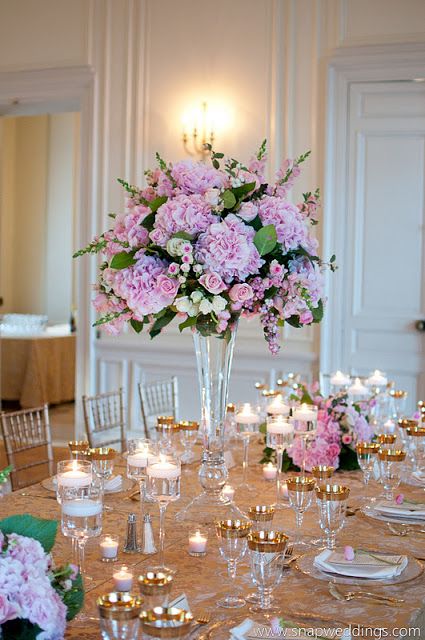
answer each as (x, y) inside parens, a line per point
(28, 444)
(104, 418)
(158, 399)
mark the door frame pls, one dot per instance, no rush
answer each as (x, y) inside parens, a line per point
(385, 63)
(30, 93)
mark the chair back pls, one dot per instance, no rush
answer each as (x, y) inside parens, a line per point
(104, 418)
(160, 398)
(23, 433)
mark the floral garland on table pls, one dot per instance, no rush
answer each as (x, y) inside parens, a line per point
(36, 598)
(340, 425)
(206, 243)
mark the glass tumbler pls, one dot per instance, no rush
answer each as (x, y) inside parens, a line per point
(332, 503)
(232, 536)
(188, 431)
(261, 517)
(266, 555)
(102, 459)
(155, 587)
(391, 468)
(119, 615)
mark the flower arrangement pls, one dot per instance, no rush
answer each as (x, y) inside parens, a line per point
(4, 474)
(208, 242)
(340, 425)
(36, 598)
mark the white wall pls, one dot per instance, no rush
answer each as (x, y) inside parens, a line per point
(266, 58)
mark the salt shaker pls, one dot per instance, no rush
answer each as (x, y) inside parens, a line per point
(131, 545)
(148, 539)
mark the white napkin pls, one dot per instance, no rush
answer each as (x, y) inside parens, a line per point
(420, 476)
(406, 509)
(180, 602)
(248, 630)
(363, 566)
(113, 483)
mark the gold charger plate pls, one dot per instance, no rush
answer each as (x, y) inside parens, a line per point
(126, 485)
(304, 564)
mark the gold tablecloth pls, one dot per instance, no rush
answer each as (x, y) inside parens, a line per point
(36, 370)
(204, 580)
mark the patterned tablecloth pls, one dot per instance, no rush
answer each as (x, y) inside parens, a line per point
(204, 580)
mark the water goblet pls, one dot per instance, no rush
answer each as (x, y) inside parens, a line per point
(304, 419)
(417, 434)
(391, 467)
(279, 436)
(188, 431)
(386, 440)
(267, 555)
(322, 472)
(366, 456)
(165, 430)
(78, 448)
(119, 615)
(166, 622)
(232, 536)
(163, 486)
(300, 495)
(332, 503)
(403, 424)
(261, 516)
(397, 403)
(81, 516)
(102, 459)
(247, 422)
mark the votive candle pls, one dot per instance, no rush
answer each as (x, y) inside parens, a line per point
(269, 471)
(123, 579)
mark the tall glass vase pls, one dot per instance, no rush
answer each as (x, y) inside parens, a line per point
(214, 355)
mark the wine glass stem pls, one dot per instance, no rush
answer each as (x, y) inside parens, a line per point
(304, 441)
(245, 460)
(162, 509)
(142, 499)
(82, 556)
(299, 522)
(279, 456)
(331, 540)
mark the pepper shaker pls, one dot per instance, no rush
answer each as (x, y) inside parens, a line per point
(131, 545)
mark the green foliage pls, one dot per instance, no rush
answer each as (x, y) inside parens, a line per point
(243, 190)
(137, 325)
(109, 317)
(26, 525)
(94, 247)
(161, 322)
(183, 235)
(189, 322)
(19, 629)
(74, 598)
(317, 312)
(5, 474)
(265, 239)
(155, 204)
(229, 199)
(348, 459)
(122, 260)
(262, 150)
(131, 189)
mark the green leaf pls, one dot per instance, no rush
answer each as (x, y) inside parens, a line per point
(265, 239)
(122, 260)
(243, 190)
(294, 321)
(215, 163)
(182, 234)
(26, 525)
(155, 204)
(317, 312)
(333, 258)
(256, 223)
(219, 155)
(74, 598)
(137, 325)
(20, 629)
(348, 459)
(189, 322)
(148, 221)
(161, 322)
(229, 199)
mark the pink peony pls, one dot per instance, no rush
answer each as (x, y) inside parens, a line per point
(212, 282)
(227, 248)
(248, 211)
(197, 177)
(188, 213)
(241, 292)
(290, 227)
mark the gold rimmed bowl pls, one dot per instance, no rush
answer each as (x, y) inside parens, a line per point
(163, 622)
(367, 448)
(155, 582)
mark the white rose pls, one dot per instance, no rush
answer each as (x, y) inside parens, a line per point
(205, 306)
(185, 267)
(219, 303)
(197, 268)
(212, 196)
(196, 296)
(183, 304)
(174, 246)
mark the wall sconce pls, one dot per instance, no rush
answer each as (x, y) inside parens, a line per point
(201, 132)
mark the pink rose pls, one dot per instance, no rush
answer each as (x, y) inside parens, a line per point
(306, 317)
(167, 286)
(399, 499)
(173, 268)
(212, 282)
(346, 438)
(241, 292)
(349, 553)
(248, 211)
(158, 236)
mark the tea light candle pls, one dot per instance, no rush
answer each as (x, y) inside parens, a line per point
(340, 379)
(377, 379)
(247, 416)
(228, 492)
(75, 477)
(389, 426)
(123, 579)
(358, 389)
(164, 469)
(109, 548)
(269, 471)
(284, 491)
(198, 543)
(304, 414)
(278, 407)
(281, 426)
(82, 508)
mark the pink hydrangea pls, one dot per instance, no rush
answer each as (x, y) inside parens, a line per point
(144, 286)
(41, 605)
(290, 227)
(197, 177)
(228, 249)
(8, 611)
(189, 213)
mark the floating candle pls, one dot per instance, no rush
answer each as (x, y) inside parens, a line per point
(163, 469)
(377, 379)
(358, 389)
(247, 415)
(278, 407)
(109, 548)
(340, 379)
(138, 459)
(82, 508)
(75, 476)
(305, 414)
(279, 425)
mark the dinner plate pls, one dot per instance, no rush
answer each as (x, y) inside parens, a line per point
(370, 512)
(126, 484)
(305, 564)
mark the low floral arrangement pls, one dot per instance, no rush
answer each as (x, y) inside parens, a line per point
(340, 425)
(36, 598)
(5, 474)
(208, 242)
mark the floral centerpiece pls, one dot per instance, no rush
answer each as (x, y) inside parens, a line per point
(340, 424)
(36, 598)
(207, 243)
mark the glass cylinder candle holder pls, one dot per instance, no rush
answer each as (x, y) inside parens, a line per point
(261, 517)
(279, 436)
(166, 622)
(332, 503)
(102, 459)
(140, 451)
(277, 407)
(78, 448)
(304, 419)
(247, 421)
(266, 555)
(72, 474)
(123, 579)
(357, 391)
(119, 615)
(198, 540)
(108, 546)
(391, 462)
(188, 432)
(339, 381)
(270, 472)
(155, 587)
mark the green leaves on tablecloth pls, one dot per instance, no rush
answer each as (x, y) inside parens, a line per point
(26, 525)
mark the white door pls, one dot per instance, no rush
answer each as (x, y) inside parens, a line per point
(384, 247)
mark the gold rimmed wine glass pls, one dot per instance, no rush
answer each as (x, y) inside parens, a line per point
(332, 503)
(232, 537)
(102, 459)
(78, 448)
(391, 463)
(266, 555)
(300, 495)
